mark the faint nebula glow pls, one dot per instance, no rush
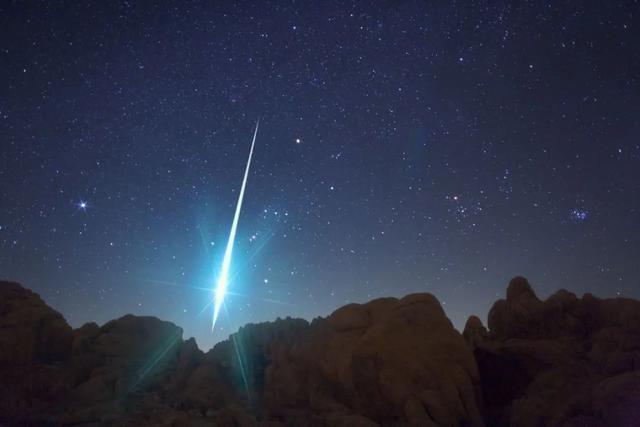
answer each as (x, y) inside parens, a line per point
(223, 278)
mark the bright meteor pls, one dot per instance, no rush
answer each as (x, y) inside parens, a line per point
(223, 278)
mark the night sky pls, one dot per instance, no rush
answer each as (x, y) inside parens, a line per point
(404, 147)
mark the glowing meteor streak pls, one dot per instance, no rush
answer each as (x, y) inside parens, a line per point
(223, 279)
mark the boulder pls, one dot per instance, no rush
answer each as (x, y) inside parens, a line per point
(474, 331)
(35, 341)
(386, 362)
(30, 331)
(115, 362)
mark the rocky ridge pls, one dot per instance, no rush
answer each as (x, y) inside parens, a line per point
(565, 361)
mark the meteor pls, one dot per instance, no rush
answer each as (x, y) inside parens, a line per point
(223, 278)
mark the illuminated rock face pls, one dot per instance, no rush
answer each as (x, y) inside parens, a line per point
(388, 361)
(564, 361)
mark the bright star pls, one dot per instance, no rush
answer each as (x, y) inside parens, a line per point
(82, 205)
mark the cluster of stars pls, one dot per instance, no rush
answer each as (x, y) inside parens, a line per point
(579, 215)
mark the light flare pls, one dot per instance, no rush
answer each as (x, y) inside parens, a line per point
(223, 278)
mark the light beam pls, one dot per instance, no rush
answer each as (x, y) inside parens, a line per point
(223, 278)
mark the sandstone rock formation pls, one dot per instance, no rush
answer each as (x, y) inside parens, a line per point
(387, 362)
(30, 331)
(34, 341)
(564, 361)
(397, 362)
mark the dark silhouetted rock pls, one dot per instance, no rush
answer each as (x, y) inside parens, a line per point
(114, 362)
(30, 331)
(562, 361)
(34, 341)
(474, 331)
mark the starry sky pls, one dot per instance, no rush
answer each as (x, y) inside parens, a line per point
(404, 146)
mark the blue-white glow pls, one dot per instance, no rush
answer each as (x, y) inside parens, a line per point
(579, 215)
(223, 278)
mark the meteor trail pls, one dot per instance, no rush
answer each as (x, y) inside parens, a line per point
(223, 279)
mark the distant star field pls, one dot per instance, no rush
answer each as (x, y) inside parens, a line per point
(404, 146)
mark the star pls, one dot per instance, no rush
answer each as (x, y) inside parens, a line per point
(507, 163)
